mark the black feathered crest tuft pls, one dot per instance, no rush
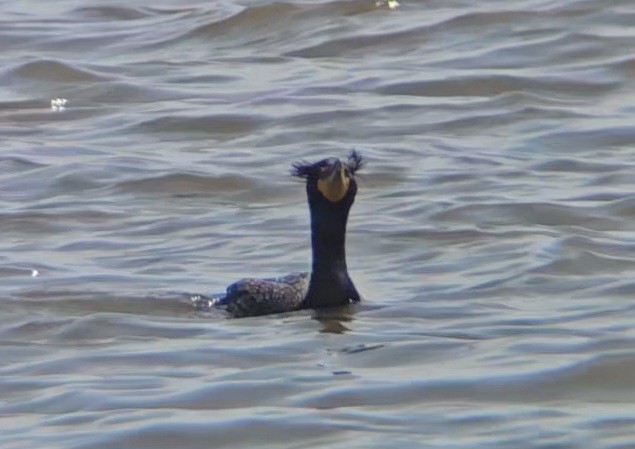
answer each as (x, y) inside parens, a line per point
(303, 169)
(355, 161)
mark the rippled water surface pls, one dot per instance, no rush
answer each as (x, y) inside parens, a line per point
(492, 237)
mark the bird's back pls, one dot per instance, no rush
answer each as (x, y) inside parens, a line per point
(251, 297)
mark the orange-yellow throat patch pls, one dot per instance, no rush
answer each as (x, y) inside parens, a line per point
(335, 186)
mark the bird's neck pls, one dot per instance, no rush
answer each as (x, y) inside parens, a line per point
(330, 283)
(328, 241)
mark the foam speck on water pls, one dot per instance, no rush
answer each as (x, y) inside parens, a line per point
(392, 4)
(58, 104)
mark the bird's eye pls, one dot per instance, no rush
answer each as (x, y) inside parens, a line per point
(347, 173)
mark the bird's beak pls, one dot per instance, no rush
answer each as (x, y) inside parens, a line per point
(333, 183)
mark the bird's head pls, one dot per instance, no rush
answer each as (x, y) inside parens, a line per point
(330, 181)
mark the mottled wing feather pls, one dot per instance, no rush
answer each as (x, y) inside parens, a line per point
(251, 297)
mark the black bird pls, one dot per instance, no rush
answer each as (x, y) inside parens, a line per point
(331, 190)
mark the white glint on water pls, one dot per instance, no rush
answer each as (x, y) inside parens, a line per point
(392, 4)
(58, 104)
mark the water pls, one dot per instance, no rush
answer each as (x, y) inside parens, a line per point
(492, 235)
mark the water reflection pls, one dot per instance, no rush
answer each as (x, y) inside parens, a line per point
(333, 319)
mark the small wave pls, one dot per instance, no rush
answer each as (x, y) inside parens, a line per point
(209, 124)
(545, 214)
(585, 264)
(492, 85)
(118, 92)
(587, 139)
(624, 207)
(625, 289)
(246, 21)
(53, 71)
(17, 164)
(187, 184)
(573, 381)
(278, 24)
(52, 221)
(577, 166)
(110, 13)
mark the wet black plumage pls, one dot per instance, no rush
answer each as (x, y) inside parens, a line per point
(331, 189)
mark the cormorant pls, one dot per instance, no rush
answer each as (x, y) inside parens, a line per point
(331, 190)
